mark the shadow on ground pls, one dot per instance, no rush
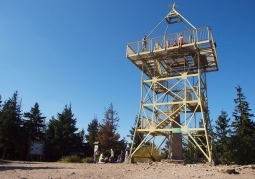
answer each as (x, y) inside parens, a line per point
(5, 165)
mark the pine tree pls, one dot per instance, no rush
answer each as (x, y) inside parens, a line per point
(222, 137)
(13, 141)
(243, 135)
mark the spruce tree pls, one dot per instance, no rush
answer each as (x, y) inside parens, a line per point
(222, 137)
(201, 140)
(62, 138)
(51, 148)
(91, 137)
(139, 136)
(35, 123)
(13, 141)
(92, 131)
(0, 107)
(243, 135)
(189, 149)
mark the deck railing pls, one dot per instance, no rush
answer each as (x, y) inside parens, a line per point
(168, 40)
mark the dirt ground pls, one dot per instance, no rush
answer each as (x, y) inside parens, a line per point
(41, 170)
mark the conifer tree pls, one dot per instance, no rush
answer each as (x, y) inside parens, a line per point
(35, 123)
(139, 136)
(189, 149)
(243, 135)
(91, 137)
(51, 149)
(0, 104)
(13, 141)
(62, 138)
(107, 135)
(193, 149)
(201, 140)
(222, 137)
(92, 131)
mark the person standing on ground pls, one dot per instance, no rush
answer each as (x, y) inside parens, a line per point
(122, 156)
(112, 155)
(96, 155)
(126, 156)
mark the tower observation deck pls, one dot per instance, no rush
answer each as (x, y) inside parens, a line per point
(174, 102)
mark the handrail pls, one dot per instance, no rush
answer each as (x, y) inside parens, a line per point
(167, 41)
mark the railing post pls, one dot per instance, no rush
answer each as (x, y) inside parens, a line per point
(164, 41)
(150, 45)
(208, 33)
(138, 47)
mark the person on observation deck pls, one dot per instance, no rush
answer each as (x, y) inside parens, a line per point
(181, 41)
(144, 43)
(175, 43)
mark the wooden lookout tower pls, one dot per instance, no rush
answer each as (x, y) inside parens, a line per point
(174, 102)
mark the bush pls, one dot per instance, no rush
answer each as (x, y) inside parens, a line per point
(144, 156)
(71, 159)
(88, 160)
(226, 160)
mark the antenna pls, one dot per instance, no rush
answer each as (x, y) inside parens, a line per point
(173, 5)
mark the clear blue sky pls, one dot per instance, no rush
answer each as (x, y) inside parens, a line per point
(64, 51)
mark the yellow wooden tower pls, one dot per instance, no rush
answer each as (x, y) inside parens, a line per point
(174, 103)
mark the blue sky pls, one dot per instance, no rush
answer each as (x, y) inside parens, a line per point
(64, 51)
